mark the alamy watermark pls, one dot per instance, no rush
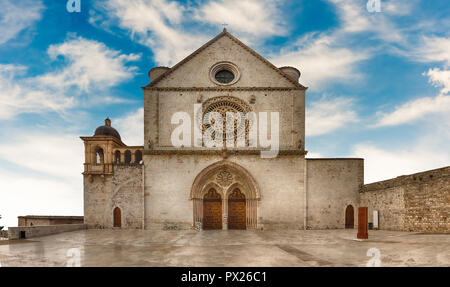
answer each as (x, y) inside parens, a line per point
(239, 130)
(374, 6)
(74, 255)
(375, 261)
(73, 6)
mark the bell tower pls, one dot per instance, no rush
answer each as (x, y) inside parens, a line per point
(98, 150)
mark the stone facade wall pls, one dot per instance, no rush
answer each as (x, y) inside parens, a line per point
(169, 180)
(253, 71)
(160, 106)
(418, 202)
(36, 231)
(257, 81)
(31, 220)
(332, 185)
(123, 189)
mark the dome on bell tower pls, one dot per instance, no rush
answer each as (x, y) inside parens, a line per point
(107, 130)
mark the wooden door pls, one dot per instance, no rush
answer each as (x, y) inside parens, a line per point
(212, 210)
(117, 217)
(349, 217)
(236, 210)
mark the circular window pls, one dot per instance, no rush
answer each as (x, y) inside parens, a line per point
(224, 73)
(224, 76)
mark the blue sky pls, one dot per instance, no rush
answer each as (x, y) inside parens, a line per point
(379, 83)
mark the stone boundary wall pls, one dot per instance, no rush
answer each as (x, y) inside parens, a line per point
(36, 231)
(418, 202)
(39, 220)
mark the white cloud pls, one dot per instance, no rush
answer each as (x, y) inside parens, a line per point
(432, 49)
(91, 67)
(398, 7)
(90, 64)
(418, 109)
(131, 127)
(45, 178)
(321, 60)
(382, 164)
(327, 115)
(19, 95)
(24, 194)
(16, 16)
(251, 17)
(415, 110)
(356, 19)
(156, 24)
(57, 155)
(440, 78)
(173, 31)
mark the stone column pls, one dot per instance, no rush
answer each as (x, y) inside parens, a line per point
(224, 214)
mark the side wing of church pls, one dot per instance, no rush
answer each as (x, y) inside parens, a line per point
(168, 185)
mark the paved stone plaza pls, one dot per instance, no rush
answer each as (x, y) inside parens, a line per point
(227, 248)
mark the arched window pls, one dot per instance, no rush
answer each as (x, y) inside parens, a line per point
(117, 157)
(138, 156)
(99, 157)
(127, 156)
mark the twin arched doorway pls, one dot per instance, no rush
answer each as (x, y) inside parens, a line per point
(225, 197)
(212, 210)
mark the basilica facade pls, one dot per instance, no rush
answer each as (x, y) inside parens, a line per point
(193, 185)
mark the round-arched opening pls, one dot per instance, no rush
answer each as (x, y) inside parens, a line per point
(236, 210)
(117, 157)
(349, 217)
(117, 217)
(127, 157)
(138, 157)
(99, 156)
(212, 210)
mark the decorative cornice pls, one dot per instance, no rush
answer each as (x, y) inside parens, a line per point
(104, 138)
(219, 152)
(219, 89)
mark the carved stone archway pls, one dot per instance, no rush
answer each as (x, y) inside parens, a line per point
(224, 177)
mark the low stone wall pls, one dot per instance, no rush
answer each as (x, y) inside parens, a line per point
(40, 220)
(418, 202)
(36, 231)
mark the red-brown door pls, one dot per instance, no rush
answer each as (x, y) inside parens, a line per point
(236, 210)
(212, 210)
(349, 217)
(117, 217)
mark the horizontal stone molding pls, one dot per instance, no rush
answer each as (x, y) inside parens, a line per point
(219, 152)
(219, 89)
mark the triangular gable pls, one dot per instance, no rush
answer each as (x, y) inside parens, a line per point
(212, 41)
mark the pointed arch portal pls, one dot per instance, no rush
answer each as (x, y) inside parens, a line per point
(227, 191)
